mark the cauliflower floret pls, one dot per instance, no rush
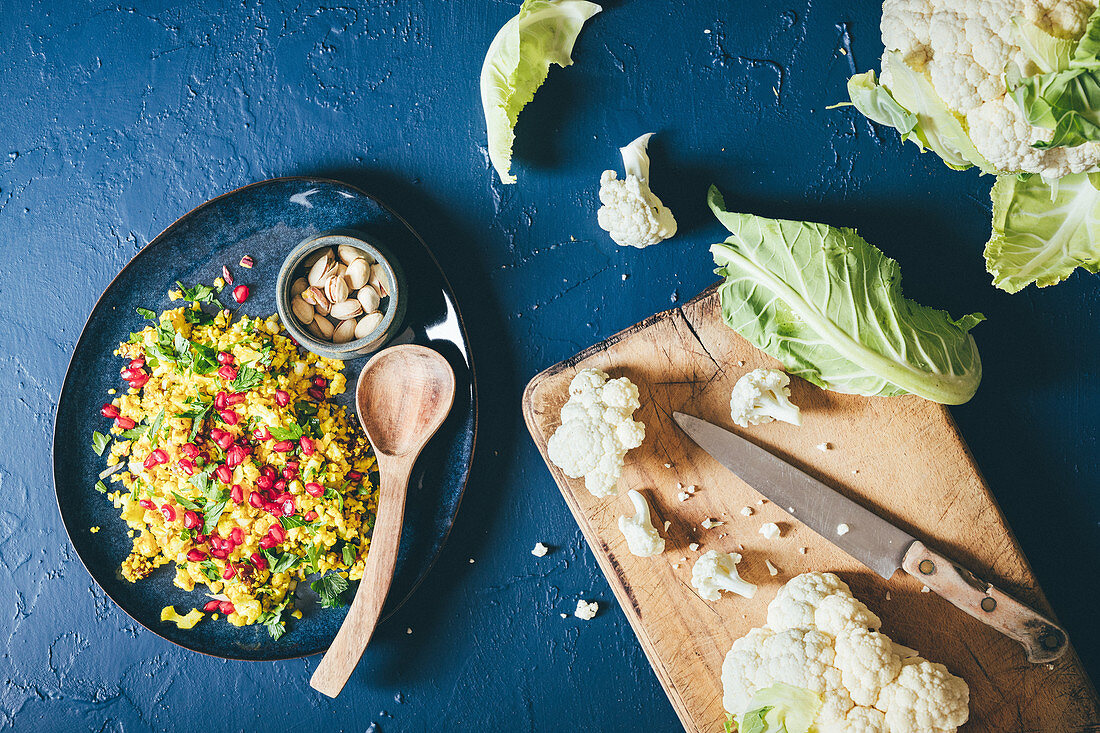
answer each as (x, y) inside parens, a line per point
(716, 571)
(761, 396)
(821, 638)
(925, 698)
(597, 429)
(641, 536)
(631, 213)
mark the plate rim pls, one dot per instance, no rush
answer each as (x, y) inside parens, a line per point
(473, 404)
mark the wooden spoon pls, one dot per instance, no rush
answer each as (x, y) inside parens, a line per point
(403, 395)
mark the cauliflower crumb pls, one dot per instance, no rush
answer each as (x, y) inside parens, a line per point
(746, 511)
(641, 536)
(586, 610)
(565, 615)
(925, 589)
(597, 429)
(408, 630)
(824, 446)
(709, 523)
(540, 550)
(667, 525)
(717, 571)
(802, 550)
(843, 529)
(693, 546)
(94, 530)
(683, 496)
(668, 465)
(770, 530)
(772, 569)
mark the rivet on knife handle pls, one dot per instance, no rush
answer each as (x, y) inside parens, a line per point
(1043, 640)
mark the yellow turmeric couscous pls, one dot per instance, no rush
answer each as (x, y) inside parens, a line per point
(235, 466)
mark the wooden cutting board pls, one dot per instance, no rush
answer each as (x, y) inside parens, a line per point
(903, 457)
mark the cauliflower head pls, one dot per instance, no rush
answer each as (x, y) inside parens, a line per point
(716, 571)
(631, 213)
(761, 396)
(821, 638)
(641, 536)
(597, 429)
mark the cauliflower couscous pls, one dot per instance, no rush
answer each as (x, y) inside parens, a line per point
(232, 463)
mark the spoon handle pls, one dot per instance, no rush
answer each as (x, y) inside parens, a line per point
(343, 655)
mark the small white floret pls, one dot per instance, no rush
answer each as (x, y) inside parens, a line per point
(746, 511)
(693, 546)
(761, 396)
(641, 536)
(770, 530)
(843, 529)
(540, 550)
(586, 610)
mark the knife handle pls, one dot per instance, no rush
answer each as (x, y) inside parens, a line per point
(1043, 640)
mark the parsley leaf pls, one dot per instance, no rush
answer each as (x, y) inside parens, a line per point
(290, 433)
(329, 587)
(197, 317)
(147, 314)
(133, 433)
(331, 493)
(155, 428)
(273, 620)
(313, 555)
(198, 294)
(247, 378)
(99, 442)
(101, 487)
(349, 554)
(292, 521)
(186, 503)
(285, 562)
(308, 409)
(210, 570)
(213, 514)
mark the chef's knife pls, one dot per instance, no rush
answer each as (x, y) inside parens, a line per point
(873, 541)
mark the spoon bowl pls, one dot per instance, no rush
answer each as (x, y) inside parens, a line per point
(403, 396)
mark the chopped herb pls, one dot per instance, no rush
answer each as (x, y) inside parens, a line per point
(155, 428)
(197, 416)
(99, 442)
(213, 514)
(331, 493)
(329, 587)
(136, 337)
(292, 522)
(206, 359)
(197, 317)
(247, 378)
(198, 294)
(133, 433)
(101, 487)
(273, 620)
(186, 503)
(210, 570)
(307, 409)
(286, 562)
(289, 433)
(313, 427)
(146, 314)
(187, 534)
(313, 555)
(349, 554)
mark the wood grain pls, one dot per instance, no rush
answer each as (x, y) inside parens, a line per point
(903, 457)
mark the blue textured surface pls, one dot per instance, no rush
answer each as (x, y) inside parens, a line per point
(120, 118)
(266, 221)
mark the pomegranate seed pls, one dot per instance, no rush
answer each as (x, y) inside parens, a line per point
(150, 462)
(229, 572)
(240, 293)
(236, 398)
(235, 455)
(139, 382)
(229, 416)
(191, 520)
(196, 555)
(226, 276)
(236, 535)
(277, 532)
(221, 400)
(187, 466)
(130, 374)
(272, 508)
(280, 485)
(288, 507)
(169, 512)
(282, 398)
(259, 561)
(190, 450)
(281, 497)
(316, 393)
(310, 515)
(137, 363)
(224, 357)
(307, 445)
(160, 455)
(267, 542)
(124, 422)
(354, 475)
(236, 494)
(220, 554)
(216, 433)
(289, 473)
(268, 471)
(320, 382)
(109, 410)
(200, 538)
(262, 433)
(224, 441)
(146, 504)
(247, 261)
(315, 489)
(292, 340)
(283, 446)
(292, 464)
(227, 372)
(264, 482)
(255, 499)
(224, 473)
(226, 607)
(211, 606)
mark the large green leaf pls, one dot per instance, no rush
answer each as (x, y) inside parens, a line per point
(1043, 231)
(829, 306)
(1065, 99)
(518, 62)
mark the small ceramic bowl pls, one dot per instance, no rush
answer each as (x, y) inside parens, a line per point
(393, 314)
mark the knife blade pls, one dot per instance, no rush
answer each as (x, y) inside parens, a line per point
(872, 540)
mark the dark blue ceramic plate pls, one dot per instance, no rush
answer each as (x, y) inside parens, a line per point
(264, 220)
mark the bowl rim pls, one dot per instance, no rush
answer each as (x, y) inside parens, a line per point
(391, 319)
